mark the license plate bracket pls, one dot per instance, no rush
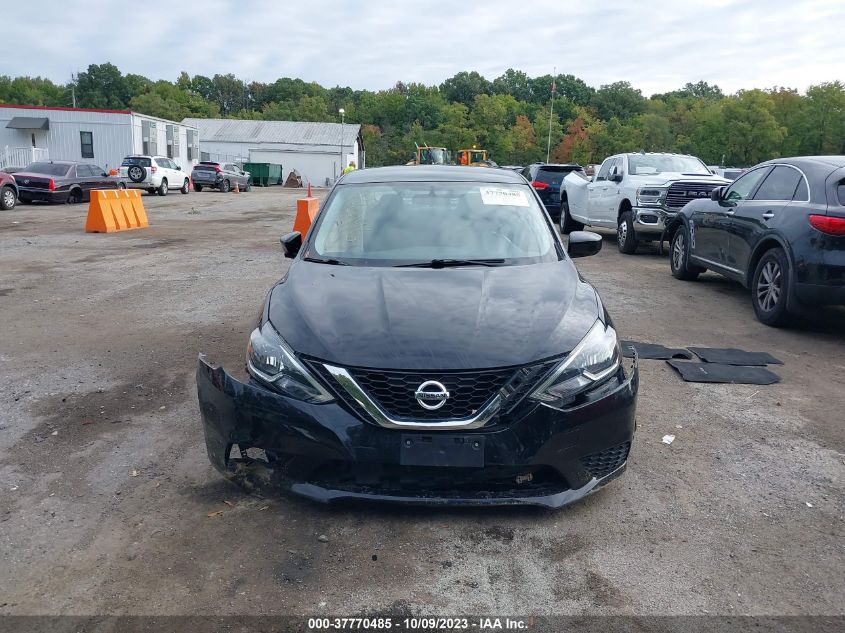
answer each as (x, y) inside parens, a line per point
(456, 451)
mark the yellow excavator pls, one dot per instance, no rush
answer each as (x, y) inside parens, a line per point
(427, 155)
(473, 157)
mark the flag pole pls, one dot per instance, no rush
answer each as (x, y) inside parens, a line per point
(551, 112)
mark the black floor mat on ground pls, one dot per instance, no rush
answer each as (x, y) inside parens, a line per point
(652, 352)
(732, 356)
(714, 372)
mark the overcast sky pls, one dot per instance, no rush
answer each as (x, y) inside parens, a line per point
(657, 45)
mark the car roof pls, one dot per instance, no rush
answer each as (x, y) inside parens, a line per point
(432, 173)
(799, 161)
(554, 165)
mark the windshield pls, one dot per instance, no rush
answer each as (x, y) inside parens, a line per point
(48, 169)
(553, 175)
(384, 224)
(643, 164)
(434, 156)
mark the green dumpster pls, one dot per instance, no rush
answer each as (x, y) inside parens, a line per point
(264, 174)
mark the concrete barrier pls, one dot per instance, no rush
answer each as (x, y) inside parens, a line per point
(306, 211)
(112, 210)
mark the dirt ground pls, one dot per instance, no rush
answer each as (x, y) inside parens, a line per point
(106, 492)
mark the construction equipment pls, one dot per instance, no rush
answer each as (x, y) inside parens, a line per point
(473, 157)
(427, 155)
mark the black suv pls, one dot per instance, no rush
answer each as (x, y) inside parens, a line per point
(221, 176)
(546, 178)
(431, 343)
(778, 229)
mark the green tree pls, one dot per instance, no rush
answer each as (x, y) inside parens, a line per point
(465, 87)
(619, 99)
(102, 86)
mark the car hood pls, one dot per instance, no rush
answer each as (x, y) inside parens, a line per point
(667, 178)
(419, 318)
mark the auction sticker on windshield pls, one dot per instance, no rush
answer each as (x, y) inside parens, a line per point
(502, 196)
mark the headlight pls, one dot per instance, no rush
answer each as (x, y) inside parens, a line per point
(270, 361)
(593, 360)
(651, 196)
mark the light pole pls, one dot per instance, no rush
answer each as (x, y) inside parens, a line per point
(342, 113)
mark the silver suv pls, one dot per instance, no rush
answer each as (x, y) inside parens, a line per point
(156, 174)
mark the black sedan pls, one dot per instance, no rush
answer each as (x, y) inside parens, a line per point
(59, 181)
(779, 229)
(431, 343)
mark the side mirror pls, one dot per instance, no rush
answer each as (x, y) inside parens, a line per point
(717, 193)
(616, 178)
(583, 244)
(105, 175)
(179, 167)
(291, 243)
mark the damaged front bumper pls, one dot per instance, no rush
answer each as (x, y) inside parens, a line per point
(534, 456)
(652, 219)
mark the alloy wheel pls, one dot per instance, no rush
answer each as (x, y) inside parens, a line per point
(622, 233)
(8, 198)
(769, 286)
(678, 252)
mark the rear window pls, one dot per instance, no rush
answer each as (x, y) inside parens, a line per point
(207, 166)
(136, 160)
(48, 169)
(554, 175)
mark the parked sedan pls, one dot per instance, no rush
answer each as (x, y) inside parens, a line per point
(221, 176)
(8, 191)
(779, 229)
(58, 181)
(431, 343)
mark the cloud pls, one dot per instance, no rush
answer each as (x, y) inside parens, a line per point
(657, 46)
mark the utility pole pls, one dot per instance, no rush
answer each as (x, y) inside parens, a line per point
(342, 113)
(551, 112)
(73, 89)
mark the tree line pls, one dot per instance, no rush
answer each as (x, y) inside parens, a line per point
(510, 115)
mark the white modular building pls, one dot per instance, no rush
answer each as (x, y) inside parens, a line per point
(86, 135)
(317, 151)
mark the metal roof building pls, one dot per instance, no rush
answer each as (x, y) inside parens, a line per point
(318, 151)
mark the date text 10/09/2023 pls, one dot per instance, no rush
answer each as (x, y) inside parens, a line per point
(421, 623)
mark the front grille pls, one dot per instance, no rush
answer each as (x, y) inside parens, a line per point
(605, 462)
(682, 192)
(468, 391)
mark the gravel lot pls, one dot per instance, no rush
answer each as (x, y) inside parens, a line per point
(106, 492)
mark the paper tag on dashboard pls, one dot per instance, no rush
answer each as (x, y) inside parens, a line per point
(507, 197)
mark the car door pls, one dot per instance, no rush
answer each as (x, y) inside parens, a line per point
(612, 192)
(596, 192)
(100, 178)
(710, 220)
(764, 212)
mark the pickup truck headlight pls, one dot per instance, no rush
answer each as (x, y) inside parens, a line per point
(651, 196)
(594, 359)
(270, 361)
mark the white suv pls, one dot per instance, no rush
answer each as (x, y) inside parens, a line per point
(154, 173)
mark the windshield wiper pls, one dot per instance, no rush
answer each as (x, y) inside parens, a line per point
(320, 260)
(453, 263)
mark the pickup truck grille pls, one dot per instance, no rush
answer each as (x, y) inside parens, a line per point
(682, 192)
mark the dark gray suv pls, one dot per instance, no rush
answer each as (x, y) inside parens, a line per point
(221, 176)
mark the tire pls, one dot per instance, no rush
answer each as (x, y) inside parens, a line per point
(679, 256)
(75, 196)
(197, 187)
(186, 187)
(626, 238)
(8, 198)
(121, 185)
(567, 224)
(225, 186)
(136, 173)
(151, 191)
(770, 288)
(162, 188)
(248, 186)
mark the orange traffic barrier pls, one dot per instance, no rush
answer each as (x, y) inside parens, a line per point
(113, 210)
(306, 211)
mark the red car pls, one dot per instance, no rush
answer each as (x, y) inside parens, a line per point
(8, 191)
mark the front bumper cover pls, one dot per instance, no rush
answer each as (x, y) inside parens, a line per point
(539, 456)
(652, 219)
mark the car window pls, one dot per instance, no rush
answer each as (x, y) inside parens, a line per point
(85, 171)
(136, 160)
(780, 184)
(163, 162)
(744, 185)
(552, 174)
(409, 222)
(615, 167)
(605, 167)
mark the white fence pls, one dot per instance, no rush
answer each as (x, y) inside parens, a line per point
(21, 156)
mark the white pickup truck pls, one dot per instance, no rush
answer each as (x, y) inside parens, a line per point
(636, 194)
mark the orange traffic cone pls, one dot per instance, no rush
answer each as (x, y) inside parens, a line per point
(237, 187)
(309, 190)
